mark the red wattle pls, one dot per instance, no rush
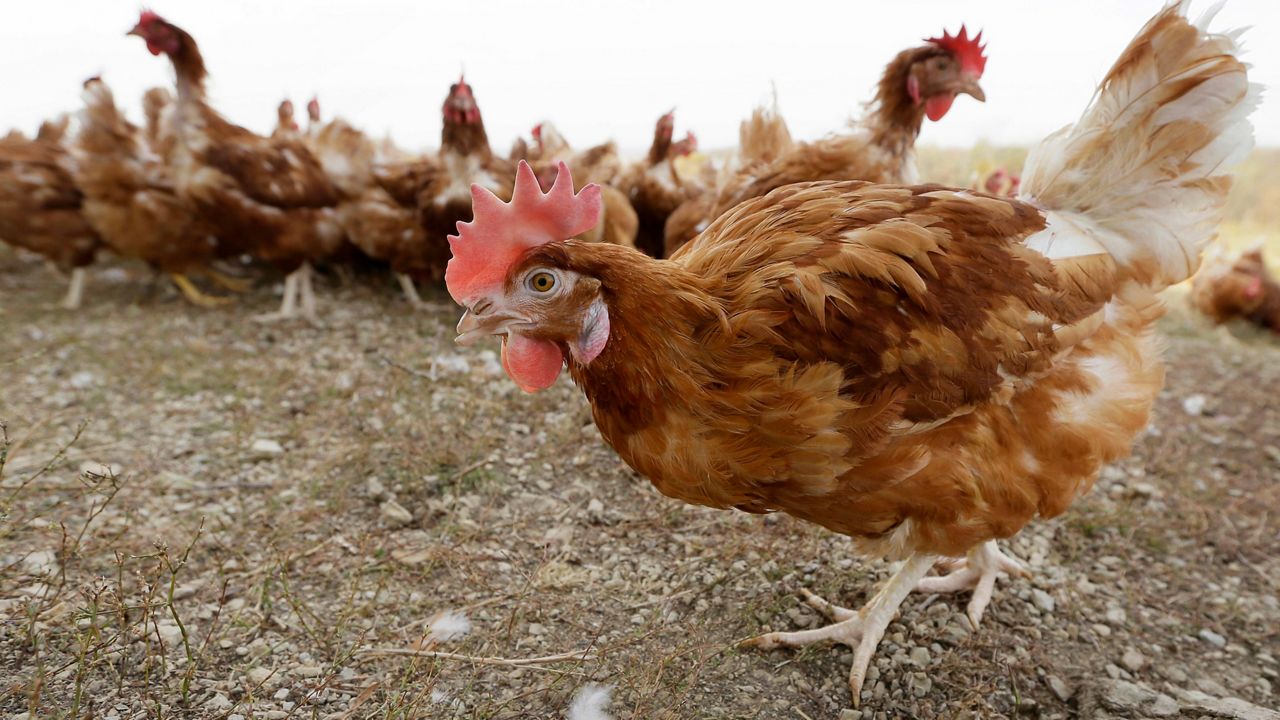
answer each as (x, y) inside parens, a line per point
(938, 105)
(532, 364)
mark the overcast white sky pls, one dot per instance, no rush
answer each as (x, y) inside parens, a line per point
(598, 69)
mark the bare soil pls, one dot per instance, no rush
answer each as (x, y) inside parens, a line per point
(202, 516)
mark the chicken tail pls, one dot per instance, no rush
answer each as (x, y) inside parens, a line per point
(764, 137)
(1143, 175)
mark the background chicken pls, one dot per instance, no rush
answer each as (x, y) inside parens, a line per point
(599, 164)
(41, 207)
(130, 200)
(762, 138)
(923, 369)
(286, 126)
(920, 82)
(382, 227)
(264, 196)
(1240, 289)
(443, 195)
(654, 188)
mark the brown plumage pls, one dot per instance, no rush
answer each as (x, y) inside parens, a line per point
(654, 187)
(1243, 289)
(157, 108)
(921, 368)
(879, 148)
(465, 158)
(264, 196)
(383, 226)
(41, 207)
(130, 197)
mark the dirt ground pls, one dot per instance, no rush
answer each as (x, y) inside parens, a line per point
(202, 516)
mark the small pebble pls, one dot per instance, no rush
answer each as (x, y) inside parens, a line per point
(1213, 638)
(395, 514)
(1043, 600)
(263, 448)
(1133, 660)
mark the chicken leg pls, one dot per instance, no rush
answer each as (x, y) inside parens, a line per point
(859, 629)
(75, 291)
(194, 295)
(307, 294)
(977, 572)
(410, 292)
(228, 282)
(289, 303)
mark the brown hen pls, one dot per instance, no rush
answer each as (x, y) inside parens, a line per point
(267, 197)
(41, 207)
(924, 369)
(130, 199)
(1242, 289)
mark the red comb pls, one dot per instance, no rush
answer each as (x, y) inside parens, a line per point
(499, 233)
(149, 17)
(966, 49)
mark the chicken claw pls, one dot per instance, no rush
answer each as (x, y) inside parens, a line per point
(860, 629)
(977, 572)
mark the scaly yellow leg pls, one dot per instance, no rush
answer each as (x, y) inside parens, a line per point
(195, 296)
(228, 282)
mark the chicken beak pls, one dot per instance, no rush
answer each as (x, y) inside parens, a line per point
(475, 326)
(968, 84)
(136, 31)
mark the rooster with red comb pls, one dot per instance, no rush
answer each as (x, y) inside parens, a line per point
(922, 369)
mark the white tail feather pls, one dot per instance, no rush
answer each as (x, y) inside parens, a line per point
(1143, 174)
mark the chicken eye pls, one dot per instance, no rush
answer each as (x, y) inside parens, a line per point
(542, 282)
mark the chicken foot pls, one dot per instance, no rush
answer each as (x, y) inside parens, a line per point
(977, 572)
(859, 629)
(75, 291)
(194, 295)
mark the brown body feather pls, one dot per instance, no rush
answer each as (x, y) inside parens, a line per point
(129, 194)
(944, 387)
(265, 196)
(655, 190)
(40, 205)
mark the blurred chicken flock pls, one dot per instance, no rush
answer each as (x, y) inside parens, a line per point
(205, 202)
(193, 195)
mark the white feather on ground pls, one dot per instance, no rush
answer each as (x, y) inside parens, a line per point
(590, 703)
(449, 626)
